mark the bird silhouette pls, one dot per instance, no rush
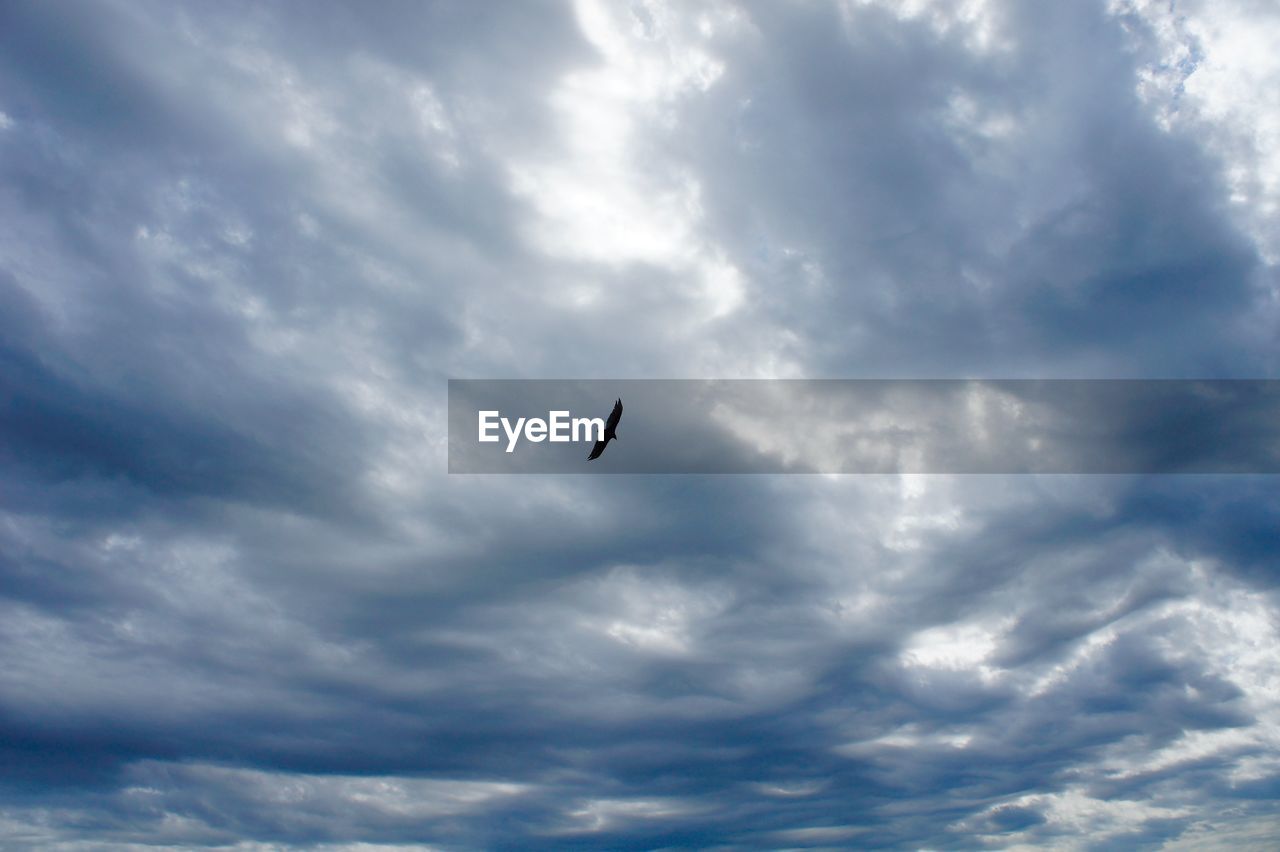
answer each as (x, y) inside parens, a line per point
(610, 431)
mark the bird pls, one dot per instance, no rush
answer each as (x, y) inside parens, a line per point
(610, 431)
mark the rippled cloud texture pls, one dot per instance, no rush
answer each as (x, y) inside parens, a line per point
(245, 245)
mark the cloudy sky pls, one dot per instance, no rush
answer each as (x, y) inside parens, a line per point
(245, 245)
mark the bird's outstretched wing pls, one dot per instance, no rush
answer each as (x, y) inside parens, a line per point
(610, 425)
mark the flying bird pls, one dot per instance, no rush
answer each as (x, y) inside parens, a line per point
(610, 431)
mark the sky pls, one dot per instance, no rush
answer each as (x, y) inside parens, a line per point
(244, 247)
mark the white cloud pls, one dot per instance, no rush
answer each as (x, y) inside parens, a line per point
(599, 193)
(1217, 76)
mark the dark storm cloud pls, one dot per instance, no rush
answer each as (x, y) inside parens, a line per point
(241, 602)
(1017, 209)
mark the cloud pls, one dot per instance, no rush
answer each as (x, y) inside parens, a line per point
(242, 602)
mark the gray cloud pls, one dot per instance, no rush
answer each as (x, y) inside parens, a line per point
(241, 602)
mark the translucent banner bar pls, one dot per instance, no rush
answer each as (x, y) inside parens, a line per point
(864, 426)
